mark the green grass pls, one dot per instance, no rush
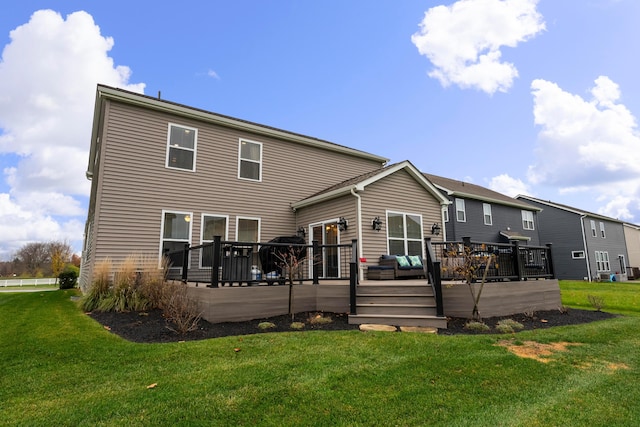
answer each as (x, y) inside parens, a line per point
(619, 297)
(59, 367)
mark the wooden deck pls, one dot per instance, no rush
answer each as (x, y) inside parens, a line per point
(240, 303)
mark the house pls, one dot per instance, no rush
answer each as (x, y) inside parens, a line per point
(164, 175)
(586, 245)
(632, 239)
(485, 215)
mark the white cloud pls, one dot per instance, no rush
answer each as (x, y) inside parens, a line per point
(588, 146)
(48, 76)
(463, 41)
(505, 184)
(213, 74)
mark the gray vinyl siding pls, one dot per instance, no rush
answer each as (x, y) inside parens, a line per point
(613, 243)
(503, 218)
(563, 230)
(132, 186)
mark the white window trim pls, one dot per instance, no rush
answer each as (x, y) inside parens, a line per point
(577, 255)
(602, 261)
(486, 212)
(463, 210)
(162, 238)
(238, 218)
(624, 261)
(446, 214)
(240, 159)
(602, 233)
(202, 239)
(527, 217)
(594, 233)
(323, 225)
(195, 147)
(405, 239)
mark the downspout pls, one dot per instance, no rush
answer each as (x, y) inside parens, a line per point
(584, 244)
(359, 231)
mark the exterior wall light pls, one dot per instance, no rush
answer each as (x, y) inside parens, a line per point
(376, 223)
(435, 229)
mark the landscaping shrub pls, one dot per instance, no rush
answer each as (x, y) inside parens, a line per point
(320, 319)
(477, 326)
(100, 286)
(68, 278)
(263, 326)
(179, 308)
(509, 326)
(596, 301)
(297, 325)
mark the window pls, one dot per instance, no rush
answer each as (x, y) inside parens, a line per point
(486, 210)
(248, 230)
(176, 232)
(593, 228)
(211, 225)
(577, 254)
(446, 214)
(404, 234)
(181, 147)
(461, 215)
(623, 264)
(250, 160)
(527, 220)
(602, 230)
(602, 261)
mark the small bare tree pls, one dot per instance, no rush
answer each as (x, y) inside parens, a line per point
(469, 262)
(290, 261)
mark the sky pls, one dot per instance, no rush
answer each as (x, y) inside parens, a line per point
(536, 97)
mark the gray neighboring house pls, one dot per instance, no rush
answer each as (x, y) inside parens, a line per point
(586, 246)
(485, 215)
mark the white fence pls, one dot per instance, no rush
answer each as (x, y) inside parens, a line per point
(27, 282)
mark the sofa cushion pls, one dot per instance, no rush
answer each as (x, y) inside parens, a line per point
(416, 261)
(403, 261)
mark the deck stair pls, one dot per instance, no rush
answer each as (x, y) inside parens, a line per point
(397, 303)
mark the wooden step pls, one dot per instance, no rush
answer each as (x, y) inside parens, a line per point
(394, 290)
(395, 299)
(397, 309)
(399, 320)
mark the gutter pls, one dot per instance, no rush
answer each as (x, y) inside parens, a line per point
(359, 231)
(584, 244)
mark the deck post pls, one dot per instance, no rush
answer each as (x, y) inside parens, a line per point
(353, 276)
(315, 261)
(185, 263)
(552, 270)
(518, 260)
(437, 288)
(215, 262)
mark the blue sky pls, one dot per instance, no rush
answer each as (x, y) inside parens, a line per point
(522, 96)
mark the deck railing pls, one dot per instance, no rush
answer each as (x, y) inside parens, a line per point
(227, 263)
(511, 261)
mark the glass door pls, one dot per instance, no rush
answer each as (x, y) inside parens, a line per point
(327, 234)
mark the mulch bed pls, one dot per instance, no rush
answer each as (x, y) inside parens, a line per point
(151, 326)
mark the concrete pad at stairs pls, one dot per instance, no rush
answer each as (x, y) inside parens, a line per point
(379, 328)
(419, 329)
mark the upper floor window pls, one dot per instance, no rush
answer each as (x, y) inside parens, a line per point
(486, 210)
(461, 215)
(527, 220)
(602, 230)
(593, 228)
(181, 147)
(445, 213)
(250, 160)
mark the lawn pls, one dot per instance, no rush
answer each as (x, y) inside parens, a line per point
(618, 297)
(59, 367)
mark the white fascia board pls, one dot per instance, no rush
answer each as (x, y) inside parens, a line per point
(513, 204)
(572, 210)
(161, 105)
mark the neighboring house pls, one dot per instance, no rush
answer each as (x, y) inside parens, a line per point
(632, 239)
(586, 245)
(485, 215)
(164, 175)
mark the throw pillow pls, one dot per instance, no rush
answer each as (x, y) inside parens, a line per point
(415, 260)
(402, 261)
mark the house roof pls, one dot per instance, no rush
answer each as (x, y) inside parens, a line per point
(567, 208)
(359, 183)
(106, 92)
(468, 190)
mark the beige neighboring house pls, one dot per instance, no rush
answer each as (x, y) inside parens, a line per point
(632, 239)
(164, 175)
